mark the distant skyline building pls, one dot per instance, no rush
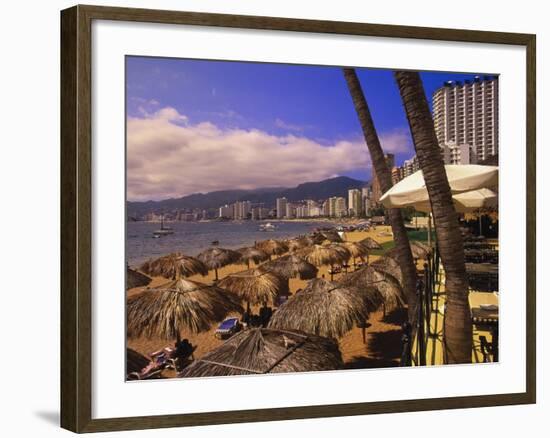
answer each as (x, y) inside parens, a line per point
(466, 113)
(241, 209)
(259, 213)
(337, 206)
(355, 202)
(226, 211)
(281, 207)
(366, 194)
(291, 210)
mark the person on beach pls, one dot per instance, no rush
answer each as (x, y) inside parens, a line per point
(265, 315)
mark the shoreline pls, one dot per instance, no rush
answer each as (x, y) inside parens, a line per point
(343, 220)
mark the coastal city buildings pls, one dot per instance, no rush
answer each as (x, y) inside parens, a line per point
(281, 208)
(366, 195)
(226, 212)
(259, 213)
(465, 118)
(466, 113)
(355, 202)
(358, 204)
(337, 206)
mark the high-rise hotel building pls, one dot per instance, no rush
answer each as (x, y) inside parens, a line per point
(355, 202)
(466, 113)
(281, 207)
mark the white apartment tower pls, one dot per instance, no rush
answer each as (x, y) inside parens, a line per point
(281, 208)
(355, 202)
(467, 113)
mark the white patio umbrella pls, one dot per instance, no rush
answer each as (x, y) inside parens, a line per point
(411, 191)
(467, 202)
(468, 182)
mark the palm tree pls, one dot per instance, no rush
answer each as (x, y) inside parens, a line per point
(458, 326)
(403, 251)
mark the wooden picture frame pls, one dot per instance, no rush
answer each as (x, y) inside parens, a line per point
(76, 218)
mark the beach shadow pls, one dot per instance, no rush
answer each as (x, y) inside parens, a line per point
(387, 345)
(384, 351)
(396, 317)
(51, 417)
(362, 362)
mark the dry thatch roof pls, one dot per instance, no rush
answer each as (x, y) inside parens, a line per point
(135, 279)
(390, 266)
(215, 258)
(299, 242)
(181, 304)
(252, 254)
(322, 307)
(320, 255)
(254, 286)
(419, 250)
(387, 285)
(174, 265)
(261, 351)
(291, 266)
(317, 237)
(135, 362)
(357, 249)
(272, 247)
(370, 243)
(332, 236)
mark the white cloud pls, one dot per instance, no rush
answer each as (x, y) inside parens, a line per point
(396, 141)
(169, 157)
(279, 123)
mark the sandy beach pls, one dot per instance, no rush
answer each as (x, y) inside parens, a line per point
(382, 347)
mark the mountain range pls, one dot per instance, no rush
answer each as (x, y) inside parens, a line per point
(337, 186)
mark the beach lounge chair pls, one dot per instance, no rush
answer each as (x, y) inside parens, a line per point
(159, 361)
(228, 328)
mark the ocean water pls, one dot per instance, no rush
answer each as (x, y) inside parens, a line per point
(193, 237)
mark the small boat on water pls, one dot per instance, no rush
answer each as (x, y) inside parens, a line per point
(268, 227)
(164, 230)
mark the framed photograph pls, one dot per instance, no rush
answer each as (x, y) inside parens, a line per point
(267, 219)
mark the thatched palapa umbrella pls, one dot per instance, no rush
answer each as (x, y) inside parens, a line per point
(135, 279)
(299, 243)
(323, 255)
(272, 246)
(390, 266)
(387, 285)
(174, 265)
(419, 250)
(331, 236)
(322, 307)
(254, 286)
(181, 304)
(291, 266)
(252, 254)
(264, 350)
(357, 249)
(216, 258)
(317, 238)
(370, 243)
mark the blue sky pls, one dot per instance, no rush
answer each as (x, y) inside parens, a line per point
(288, 104)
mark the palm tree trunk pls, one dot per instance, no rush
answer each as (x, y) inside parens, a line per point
(404, 255)
(457, 325)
